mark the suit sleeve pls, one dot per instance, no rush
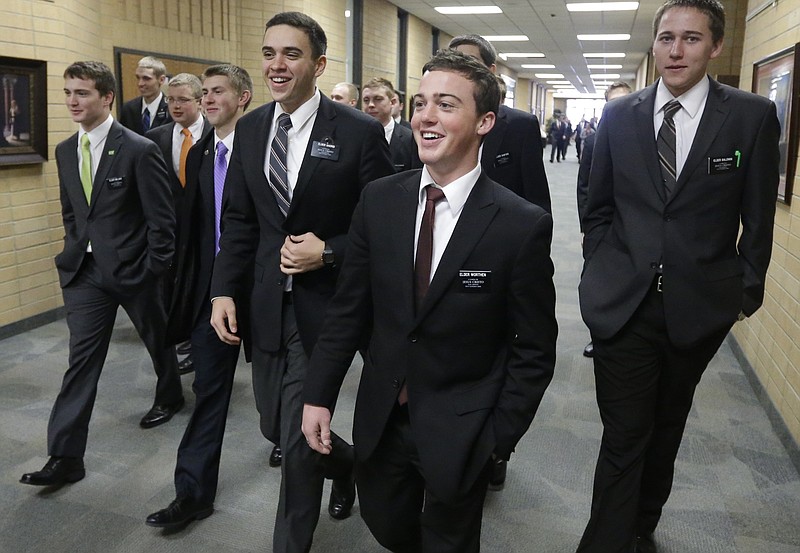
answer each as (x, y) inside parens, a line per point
(158, 208)
(600, 203)
(375, 162)
(758, 210)
(67, 212)
(346, 320)
(532, 354)
(583, 178)
(536, 189)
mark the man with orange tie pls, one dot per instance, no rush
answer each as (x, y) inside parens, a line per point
(175, 140)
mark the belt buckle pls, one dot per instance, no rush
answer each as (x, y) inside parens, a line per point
(658, 283)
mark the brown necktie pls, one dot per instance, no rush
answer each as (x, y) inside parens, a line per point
(185, 147)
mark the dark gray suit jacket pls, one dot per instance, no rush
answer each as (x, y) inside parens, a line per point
(131, 115)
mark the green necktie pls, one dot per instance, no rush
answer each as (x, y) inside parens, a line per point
(86, 167)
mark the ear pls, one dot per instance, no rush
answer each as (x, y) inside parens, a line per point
(485, 123)
(162, 80)
(108, 99)
(320, 65)
(244, 98)
(717, 49)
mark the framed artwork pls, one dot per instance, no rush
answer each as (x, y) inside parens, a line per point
(23, 111)
(776, 77)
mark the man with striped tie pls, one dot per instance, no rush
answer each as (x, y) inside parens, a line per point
(676, 170)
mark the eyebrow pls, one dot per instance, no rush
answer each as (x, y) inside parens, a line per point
(439, 96)
(285, 50)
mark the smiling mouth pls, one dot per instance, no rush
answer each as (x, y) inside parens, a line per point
(428, 135)
(279, 80)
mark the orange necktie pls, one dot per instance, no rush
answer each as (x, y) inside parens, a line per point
(185, 147)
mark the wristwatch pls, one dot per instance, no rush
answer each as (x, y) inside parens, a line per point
(328, 258)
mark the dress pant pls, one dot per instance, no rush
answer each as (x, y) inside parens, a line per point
(400, 512)
(91, 309)
(197, 468)
(278, 388)
(555, 150)
(645, 387)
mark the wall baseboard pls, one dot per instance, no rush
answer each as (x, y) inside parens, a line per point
(775, 418)
(30, 323)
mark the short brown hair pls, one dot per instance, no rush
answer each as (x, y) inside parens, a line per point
(486, 91)
(712, 8)
(380, 82)
(96, 71)
(238, 76)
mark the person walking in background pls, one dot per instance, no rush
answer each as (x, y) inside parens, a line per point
(150, 109)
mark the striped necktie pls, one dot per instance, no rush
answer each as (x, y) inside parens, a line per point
(278, 175)
(666, 147)
(220, 171)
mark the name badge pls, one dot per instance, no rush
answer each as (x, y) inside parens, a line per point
(325, 150)
(475, 281)
(115, 183)
(724, 164)
(502, 159)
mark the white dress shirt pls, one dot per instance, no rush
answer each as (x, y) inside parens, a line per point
(388, 130)
(448, 210)
(152, 107)
(97, 142)
(196, 129)
(687, 119)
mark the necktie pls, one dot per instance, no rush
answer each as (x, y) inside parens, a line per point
(278, 176)
(86, 167)
(185, 147)
(666, 146)
(220, 170)
(146, 120)
(422, 264)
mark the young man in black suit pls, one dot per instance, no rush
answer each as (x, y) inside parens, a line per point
(461, 332)
(678, 237)
(345, 93)
(226, 93)
(149, 110)
(378, 99)
(119, 238)
(298, 166)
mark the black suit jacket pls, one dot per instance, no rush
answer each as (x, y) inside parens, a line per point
(480, 351)
(710, 273)
(253, 228)
(131, 115)
(403, 149)
(584, 168)
(512, 156)
(130, 221)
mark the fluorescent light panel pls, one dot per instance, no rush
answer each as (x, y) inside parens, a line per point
(619, 36)
(604, 55)
(605, 66)
(549, 75)
(468, 10)
(605, 76)
(521, 54)
(506, 38)
(558, 82)
(602, 7)
(538, 66)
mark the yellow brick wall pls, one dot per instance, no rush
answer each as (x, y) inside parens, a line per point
(771, 338)
(420, 45)
(380, 40)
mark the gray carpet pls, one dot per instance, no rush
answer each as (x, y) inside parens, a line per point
(736, 489)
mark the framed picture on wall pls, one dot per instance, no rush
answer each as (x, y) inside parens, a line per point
(23, 111)
(776, 77)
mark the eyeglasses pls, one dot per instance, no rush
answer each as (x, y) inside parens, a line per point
(181, 101)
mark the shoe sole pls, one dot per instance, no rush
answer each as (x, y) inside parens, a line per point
(197, 516)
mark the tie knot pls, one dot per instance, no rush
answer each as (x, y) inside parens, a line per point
(222, 149)
(434, 194)
(186, 132)
(671, 108)
(284, 121)
(85, 141)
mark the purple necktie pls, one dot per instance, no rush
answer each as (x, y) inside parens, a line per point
(220, 170)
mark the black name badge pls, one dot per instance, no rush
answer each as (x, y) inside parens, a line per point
(325, 150)
(502, 159)
(475, 281)
(115, 183)
(721, 164)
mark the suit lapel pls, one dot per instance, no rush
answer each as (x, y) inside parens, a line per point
(324, 130)
(714, 116)
(110, 152)
(643, 114)
(478, 212)
(406, 228)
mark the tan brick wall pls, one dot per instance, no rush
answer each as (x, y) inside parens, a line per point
(771, 338)
(420, 45)
(380, 40)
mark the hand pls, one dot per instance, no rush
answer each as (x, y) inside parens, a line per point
(301, 254)
(223, 320)
(317, 428)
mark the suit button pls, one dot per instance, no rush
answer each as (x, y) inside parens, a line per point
(668, 218)
(396, 383)
(413, 338)
(280, 282)
(654, 265)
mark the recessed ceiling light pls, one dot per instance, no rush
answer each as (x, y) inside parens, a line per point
(604, 55)
(506, 38)
(602, 7)
(549, 75)
(467, 10)
(605, 66)
(538, 66)
(603, 83)
(619, 36)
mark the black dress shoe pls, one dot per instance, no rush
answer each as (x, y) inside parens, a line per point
(588, 351)
(159, 414)
(497, 479)
(180, 512)
(186, 365)
(645, 544)
(184, 348)
(56, 472)
(343, 495)
(275, 457)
